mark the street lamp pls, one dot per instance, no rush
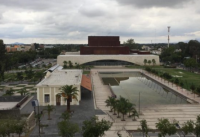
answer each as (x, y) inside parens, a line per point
(35, 104)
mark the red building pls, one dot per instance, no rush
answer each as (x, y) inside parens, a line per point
(107, 45)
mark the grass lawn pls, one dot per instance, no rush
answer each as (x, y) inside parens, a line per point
(142, 67)
(186, 77)
(86, 72)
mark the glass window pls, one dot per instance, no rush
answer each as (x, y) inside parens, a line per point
(46, 98)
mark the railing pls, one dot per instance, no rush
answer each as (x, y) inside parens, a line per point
(31, 122)
(95, 103)
(22, 101)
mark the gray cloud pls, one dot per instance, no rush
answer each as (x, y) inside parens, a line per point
(72, 21)
(154, 3)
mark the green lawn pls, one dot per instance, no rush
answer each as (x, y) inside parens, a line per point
(86, 72)
(186, 77)
(142, 67)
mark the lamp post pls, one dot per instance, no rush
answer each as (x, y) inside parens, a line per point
(139, 104)
(35, 104)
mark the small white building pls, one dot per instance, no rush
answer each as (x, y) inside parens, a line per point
(48, 90)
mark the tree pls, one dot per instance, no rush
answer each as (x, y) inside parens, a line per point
(198, 89)
(23, 92)
(2, 59)
(108, 102)
(191, 63)
(67, 128)
(145, 61)
(19, 76)
(192, 87)
(188, 127)
(65, 64)
(9, 92)
(124, 104)
(165, 127)
(69, 92)
(176, 82)
(130, 107)
(70, 64)
(153, 61)
(20, 127)
(197, 126)
(95, 128)
(49, 109)
(134, 114)
(65, 116)
(144, 127)
(149, 62)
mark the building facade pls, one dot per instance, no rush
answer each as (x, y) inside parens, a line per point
(48, 90)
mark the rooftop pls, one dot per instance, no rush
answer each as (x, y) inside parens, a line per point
(7, 105)
(60, 77)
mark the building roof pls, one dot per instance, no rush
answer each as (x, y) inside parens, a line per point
(86, 82)
(7, 105)
(61, 77)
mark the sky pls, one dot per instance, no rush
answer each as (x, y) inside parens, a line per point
(72, 21)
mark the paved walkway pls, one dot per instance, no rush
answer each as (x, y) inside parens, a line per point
(181, 112)
(82, 112)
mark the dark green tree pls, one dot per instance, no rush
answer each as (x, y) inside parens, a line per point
(67, 128)
(2, 59)
(144, 127)
(145, 61)
(165, 127)
(188, 127)
(95, 127)
(49, 109)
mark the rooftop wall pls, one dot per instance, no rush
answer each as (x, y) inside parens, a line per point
(106, 41)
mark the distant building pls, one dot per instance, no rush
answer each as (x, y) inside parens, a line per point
(106, 51)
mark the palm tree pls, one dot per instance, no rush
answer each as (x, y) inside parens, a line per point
(69, 92)
(65, 116)
(130, 108)
(145, 61)
(134, 114)
(149, 62)
(23, 91)
(109, 102)
(65, 64)
(144, 127)
(118, 108)
(124, 105)
(49, 109)
(153, 61)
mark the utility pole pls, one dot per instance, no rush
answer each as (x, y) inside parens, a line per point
(168, 35)
(139, 104)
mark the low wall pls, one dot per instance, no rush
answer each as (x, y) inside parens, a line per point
(11, 98)
(9, 113)
(31, 121)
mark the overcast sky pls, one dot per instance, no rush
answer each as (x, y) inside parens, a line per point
(72, 21)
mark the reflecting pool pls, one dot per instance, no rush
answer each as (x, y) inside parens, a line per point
(133, 85)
